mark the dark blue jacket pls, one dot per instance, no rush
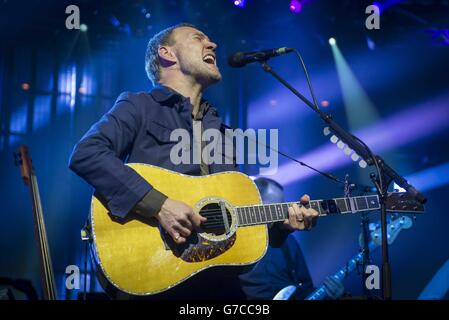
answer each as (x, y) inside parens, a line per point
(137, 130)
(283, 265)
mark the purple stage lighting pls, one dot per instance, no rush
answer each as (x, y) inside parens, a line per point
(295, 6)
(239, 3)
(378, 5)
(422, 121)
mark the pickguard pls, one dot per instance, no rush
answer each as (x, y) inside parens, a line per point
(196, 248)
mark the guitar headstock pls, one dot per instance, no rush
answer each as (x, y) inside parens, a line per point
(22, 159)
(403, 202)
(395, 226)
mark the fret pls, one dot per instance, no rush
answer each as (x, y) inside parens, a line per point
(341, 204)
(256, 214)
(349, 204)
(256, 210)
(373, 202)
(239, 216)
(252, 215)
(331, 206)
(267, 213)
(272, 212)
(244, 221)
(262, 213)
(354, 204)
(278, 211)
(247, 215)
(323, 205)
(285, 211)
(315, 205)
(361, 203)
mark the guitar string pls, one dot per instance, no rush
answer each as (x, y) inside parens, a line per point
(48, 272)
(218, 221)
(47, 257)
(311, 202)
(265, 206)
(41, 235)
(218, 215)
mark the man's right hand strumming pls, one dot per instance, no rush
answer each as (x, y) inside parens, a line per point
(178, 219)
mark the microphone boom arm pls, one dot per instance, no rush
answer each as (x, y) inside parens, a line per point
(383, 171)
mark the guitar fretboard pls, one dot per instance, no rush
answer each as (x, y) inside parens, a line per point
(267, 213)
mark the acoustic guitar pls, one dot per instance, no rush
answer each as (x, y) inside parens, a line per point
(139, 258)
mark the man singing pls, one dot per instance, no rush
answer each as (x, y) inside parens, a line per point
(181, 63)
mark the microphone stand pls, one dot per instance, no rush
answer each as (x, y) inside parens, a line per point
(384, 172)
(364, 232)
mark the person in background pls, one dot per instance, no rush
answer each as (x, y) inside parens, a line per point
(284, 263)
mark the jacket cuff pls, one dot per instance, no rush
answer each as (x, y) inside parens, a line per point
(151, 204)
(277, 234)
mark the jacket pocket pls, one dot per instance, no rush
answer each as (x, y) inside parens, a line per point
(159, 131)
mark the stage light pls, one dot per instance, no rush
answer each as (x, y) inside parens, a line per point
(114, 21)
(25, 86)
(360, 110)
(324, 103)
(239, 3)
(422, 121)
(430, 178)
(295, 6)
(370, 43)
(378, 5)
(83, 27)
(332, 41)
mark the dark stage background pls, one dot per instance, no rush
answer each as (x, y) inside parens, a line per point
(389, 86)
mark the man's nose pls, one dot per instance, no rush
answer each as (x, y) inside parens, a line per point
(211, 46)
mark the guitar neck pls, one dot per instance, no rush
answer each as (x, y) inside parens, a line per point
(47, 277)
(320, 293)
(268, 213)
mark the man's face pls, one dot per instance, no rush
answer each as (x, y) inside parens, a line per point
(196, 55)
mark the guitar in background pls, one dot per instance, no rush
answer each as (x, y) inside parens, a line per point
(394, 228)
(23, 160)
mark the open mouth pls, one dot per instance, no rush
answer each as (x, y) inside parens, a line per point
(209, 59)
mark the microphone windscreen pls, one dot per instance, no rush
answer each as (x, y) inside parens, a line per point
(236, 60)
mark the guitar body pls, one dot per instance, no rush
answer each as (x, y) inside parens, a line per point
(139, 258)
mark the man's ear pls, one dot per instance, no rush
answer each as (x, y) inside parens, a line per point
(166, 56)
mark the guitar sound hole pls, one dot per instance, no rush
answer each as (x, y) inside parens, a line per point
(214, 224)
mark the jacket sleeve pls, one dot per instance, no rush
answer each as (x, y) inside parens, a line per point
(99, 157)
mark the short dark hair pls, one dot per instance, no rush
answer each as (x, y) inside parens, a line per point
(164, 37)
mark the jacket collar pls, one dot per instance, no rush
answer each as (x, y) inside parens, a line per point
(161, 93)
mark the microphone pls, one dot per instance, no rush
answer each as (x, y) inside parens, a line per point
(240, 59)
